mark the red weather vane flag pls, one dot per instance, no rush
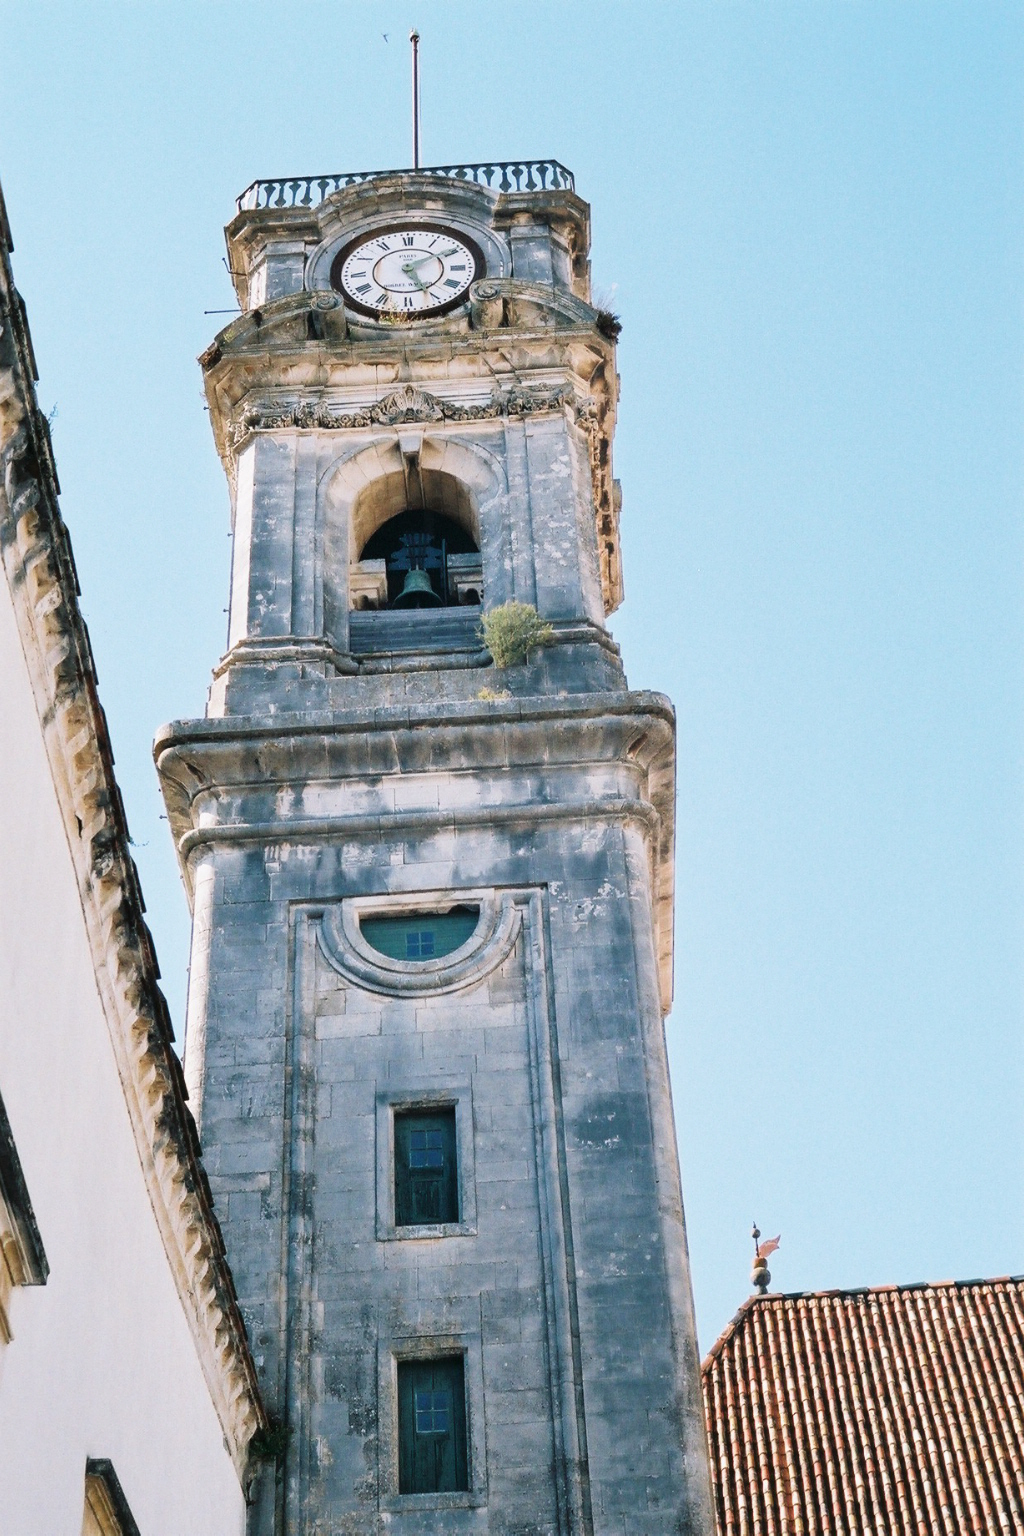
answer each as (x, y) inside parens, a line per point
(760, 1274)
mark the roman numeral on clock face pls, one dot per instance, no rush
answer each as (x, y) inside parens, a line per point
(412, 270)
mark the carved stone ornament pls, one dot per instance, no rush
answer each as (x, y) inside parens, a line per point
(409, 404)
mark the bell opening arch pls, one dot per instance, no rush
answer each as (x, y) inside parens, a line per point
(408, 522)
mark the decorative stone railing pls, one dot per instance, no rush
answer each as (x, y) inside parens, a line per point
(503, 176)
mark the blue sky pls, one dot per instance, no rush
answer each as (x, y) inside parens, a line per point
(810, 219)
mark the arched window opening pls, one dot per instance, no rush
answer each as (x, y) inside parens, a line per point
(418, 559)
(420, 935)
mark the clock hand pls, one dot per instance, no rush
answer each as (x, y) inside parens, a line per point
(438, 255)
(409, 272)
(430, 256)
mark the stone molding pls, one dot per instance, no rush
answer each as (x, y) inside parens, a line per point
(202, 763)
(313, 651)
(305, 650)
(398, 824)
(530, 318)
(304, 829)
(408, 404)
(39, 566)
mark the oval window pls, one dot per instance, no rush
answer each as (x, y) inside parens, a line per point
(420, 935)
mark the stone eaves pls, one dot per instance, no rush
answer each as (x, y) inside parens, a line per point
(205, 761)
(40, 569)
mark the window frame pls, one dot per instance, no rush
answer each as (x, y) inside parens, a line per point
(395, 1348)
(396, 1101)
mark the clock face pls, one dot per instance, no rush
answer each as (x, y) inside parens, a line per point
(407, 269)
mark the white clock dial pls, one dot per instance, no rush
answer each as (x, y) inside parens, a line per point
(407, 269)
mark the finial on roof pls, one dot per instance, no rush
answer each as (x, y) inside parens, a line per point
(759, 1274)
(414, 38)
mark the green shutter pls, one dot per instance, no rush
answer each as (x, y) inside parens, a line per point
(426, 1168)
(432, 1426)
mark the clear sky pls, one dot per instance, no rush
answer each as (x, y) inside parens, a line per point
(809, 218)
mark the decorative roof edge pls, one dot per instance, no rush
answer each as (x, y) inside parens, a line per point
(39, 564)
(310, 191)
(848, 1292)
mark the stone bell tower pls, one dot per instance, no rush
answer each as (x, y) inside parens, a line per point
(432, 898)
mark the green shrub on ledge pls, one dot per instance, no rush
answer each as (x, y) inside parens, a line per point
(512, 630)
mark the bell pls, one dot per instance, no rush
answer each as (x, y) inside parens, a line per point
(417, 592)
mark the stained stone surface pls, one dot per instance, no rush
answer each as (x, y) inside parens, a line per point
(357, 761)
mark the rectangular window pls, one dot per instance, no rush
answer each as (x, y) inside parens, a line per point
(426, 1168)
(432, 1426)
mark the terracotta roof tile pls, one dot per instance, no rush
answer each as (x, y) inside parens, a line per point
(897, 1410)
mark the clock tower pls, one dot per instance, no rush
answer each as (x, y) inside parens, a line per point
(427, 834)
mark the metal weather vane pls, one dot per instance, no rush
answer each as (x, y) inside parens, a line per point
(759, 1274)
(414, 38)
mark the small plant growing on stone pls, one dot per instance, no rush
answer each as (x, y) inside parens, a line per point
(271, 1442)
(512, 630)
(609, 324)
(493, 695)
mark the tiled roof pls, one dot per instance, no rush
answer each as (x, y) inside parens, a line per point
(893, 1410)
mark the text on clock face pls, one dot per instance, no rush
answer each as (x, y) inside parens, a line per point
(408, 270)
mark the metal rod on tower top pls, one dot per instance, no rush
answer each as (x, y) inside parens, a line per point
(414, 38)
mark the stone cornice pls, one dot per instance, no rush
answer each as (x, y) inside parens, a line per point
(639, 725)
(320, 829)
(205, 764)
(389, 195)
(512, 330)
(40, 570)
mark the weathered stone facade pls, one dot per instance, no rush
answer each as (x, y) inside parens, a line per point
(121, 1342)
(359, 762)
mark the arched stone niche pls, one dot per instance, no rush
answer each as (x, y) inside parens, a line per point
(391, 475)
(405, 489)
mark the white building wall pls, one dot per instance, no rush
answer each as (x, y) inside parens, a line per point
(102, 1362)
